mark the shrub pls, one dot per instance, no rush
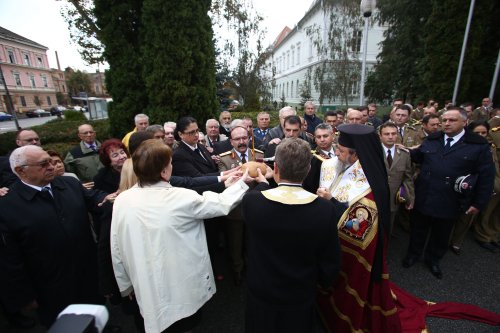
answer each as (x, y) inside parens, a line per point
(74, 115)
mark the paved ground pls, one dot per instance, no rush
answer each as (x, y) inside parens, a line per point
(473, 277)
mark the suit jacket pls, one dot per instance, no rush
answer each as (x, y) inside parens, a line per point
(47, 252)
(186, 162)
(434, 193)
(399, 174)
(287, 260)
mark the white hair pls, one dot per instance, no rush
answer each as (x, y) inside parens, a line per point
(236, 123)
(19, 158)
(209, 120)
(140, 116)
(169, 124)
(287, 108)
(309, 103)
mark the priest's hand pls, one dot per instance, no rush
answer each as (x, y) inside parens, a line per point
(324, 193)
(261, 178)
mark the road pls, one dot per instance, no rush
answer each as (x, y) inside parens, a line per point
(10, 126)
(472, 277)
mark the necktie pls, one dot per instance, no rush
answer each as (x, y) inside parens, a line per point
(243, 159)
(401, 132)
(389, 157)
(93, 147)
(197, 151)
(329, 155)
(447, 146)
(46, 192)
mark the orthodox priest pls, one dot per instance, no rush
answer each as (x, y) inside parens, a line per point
(360, 300)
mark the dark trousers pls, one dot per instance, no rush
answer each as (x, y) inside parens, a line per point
(438, 231)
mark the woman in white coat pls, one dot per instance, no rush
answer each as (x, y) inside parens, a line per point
(158, 243)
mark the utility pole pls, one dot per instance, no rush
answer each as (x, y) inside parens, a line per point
(10, 105)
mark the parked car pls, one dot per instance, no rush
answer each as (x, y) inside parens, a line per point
(57, 110)
(5, 116)
(37, 113)
(77, 108)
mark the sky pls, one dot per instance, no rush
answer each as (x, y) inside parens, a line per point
(41, 21)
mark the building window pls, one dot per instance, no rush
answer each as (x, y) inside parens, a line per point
(44, 81)
(293, 58)
(356, 41)
(26, 59)
(287, 59)
(298, 54)
(39, 61)
(32, 81)
(310, 50)
(17, 78)
(354, 88)
(291, 90)
(12, 57)
(63, 88)
(23, 100)
(49, 102)
(97, 89)
(298, 89)
(287, 90)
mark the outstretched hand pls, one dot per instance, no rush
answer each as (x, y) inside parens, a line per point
(324, 193)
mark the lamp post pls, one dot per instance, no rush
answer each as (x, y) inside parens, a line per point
(10, 105)
(367, 7)
(462, 54)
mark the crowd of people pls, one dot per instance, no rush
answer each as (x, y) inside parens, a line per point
(138, 220)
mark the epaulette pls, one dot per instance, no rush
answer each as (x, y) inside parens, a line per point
(226, 153)
(369, 123)
(411, 127)
(416, 123)
(494, 129)
(319, 157)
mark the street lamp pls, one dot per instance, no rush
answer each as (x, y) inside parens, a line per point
(367, 8)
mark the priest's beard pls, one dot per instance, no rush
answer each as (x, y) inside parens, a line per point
(341, 167)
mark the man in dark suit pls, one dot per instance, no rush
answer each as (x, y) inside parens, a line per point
(287, 260)
(444, 157)
(190, 158)
(48, 256)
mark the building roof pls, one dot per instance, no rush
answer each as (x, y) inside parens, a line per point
(286, 30)
(9, 35)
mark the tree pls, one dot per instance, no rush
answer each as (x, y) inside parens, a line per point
(77, 81)
(340, 67)
(178, 59)
(305, 89)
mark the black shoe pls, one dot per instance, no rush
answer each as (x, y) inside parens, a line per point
(456, 249)
(495, 244)
(19, 320)
(409, 261)
(488, 246)
(238, 278)
(436, 271)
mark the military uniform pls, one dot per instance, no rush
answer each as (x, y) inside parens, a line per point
(481, 113)
(417, 114)
(235, 227)
(410, 136)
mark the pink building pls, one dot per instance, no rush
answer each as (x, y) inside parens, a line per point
(27, 74)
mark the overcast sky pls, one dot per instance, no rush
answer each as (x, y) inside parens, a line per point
(41, 21)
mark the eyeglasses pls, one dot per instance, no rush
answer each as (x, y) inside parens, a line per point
(43, 164)
(88, 133)
(193, 132)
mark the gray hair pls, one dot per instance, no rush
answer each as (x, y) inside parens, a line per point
(287, 108)
(324, 126)
(236, 123)
(310, 103)
(293, 158)
(140, 116)
(18, 156)
(212, 119)
(155, 128)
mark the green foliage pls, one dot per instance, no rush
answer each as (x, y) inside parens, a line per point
(71, 115)
(61, 98)
(58, 134)
(178, 60)
(77, 81)
(421, 50)
(120, 24)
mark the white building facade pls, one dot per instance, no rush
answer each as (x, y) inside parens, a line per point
(294, 53)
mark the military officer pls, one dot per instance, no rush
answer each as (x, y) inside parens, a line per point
(240, 154)
(418, 112)
(407, 134)
(483, 112)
